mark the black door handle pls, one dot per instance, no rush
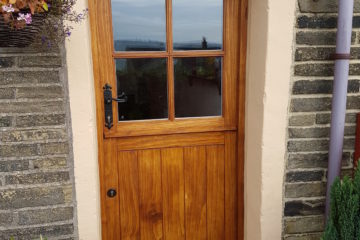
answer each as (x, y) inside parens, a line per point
(108, 99)
(122, 98)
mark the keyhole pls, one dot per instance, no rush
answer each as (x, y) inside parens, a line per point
(111, 193)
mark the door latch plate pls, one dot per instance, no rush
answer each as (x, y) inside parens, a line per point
(108, 106)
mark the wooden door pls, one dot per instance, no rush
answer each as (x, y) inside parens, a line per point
(171, 154)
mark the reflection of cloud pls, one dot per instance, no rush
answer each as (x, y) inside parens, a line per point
(139, 3)
(197, 3)
(145, 20)
(192, 23)
(135, 21)
(187, 3)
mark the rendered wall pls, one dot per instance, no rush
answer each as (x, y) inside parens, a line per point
(271, 26)
(83, 114)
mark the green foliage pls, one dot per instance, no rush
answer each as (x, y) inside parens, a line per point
(330, 231)
(344, 219)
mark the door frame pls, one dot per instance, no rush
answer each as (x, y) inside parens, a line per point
(96, 8)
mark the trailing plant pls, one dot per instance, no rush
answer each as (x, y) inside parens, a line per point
(344, 219)
(57, 17)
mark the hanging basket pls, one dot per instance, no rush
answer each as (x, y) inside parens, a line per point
(20, 38)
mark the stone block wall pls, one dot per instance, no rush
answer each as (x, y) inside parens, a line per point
(309, 116)
(37, 193)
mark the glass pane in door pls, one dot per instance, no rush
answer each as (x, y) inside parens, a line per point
(198, 88)
(198, 24)
(139, 25)
(142, 88)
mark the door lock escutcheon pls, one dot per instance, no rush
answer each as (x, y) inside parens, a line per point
(108, 99)
(111, 193)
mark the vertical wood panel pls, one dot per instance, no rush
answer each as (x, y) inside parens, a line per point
(195, 193)
(129, 195)
(231, 60)
(112, 223)
(230, 186)
(241, 115)
(215, 192)
(171, 88)
(173, 193)
(151, 217)
(170, 69)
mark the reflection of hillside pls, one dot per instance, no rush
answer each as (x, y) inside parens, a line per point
(139, 45)
(196, 45)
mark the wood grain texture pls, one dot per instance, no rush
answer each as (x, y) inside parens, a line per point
(241, 115)
(231, 61)
(173, 193)
(151, 216)
(171, 89)
(231, 201)
(165, 127)
(166, 141)
(195, 192)
(154, 135)
(112, 218)
(215, 192)
(129, 195)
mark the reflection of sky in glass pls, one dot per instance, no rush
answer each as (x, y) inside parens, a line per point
(142, 20)
(195, 19)
(145, 20)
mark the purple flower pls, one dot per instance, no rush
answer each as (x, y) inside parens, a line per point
(26, 17)
(8, 8)
(67, 33)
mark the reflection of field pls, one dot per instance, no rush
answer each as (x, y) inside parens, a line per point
(137, 45)
(197, 87)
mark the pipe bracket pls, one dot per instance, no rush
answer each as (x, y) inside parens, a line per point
(340, 56)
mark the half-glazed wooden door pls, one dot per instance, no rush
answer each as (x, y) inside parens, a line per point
(167, 87)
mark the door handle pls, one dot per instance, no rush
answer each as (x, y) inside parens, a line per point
(108, 106)
(108, 99)
(122, 98)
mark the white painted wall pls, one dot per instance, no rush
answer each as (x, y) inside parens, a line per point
(271, 31)
(271, 26)
(82, 106)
